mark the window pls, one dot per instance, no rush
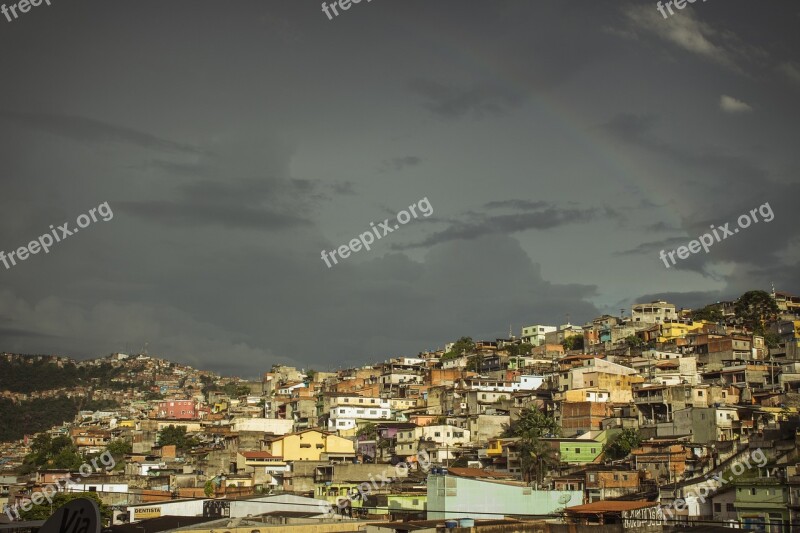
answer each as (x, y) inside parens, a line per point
(700, 393)
(717, 507)
(307, 445)
(577, 450)
(616, 477)
(592, 477)
(373, 412)
(730, 507)
(624, 477)
(753, 492)
(594, 450)
(361, 400)
(341, 411)
(483, 396)
(437, 434)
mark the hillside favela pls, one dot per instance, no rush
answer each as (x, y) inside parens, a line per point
(659, 417)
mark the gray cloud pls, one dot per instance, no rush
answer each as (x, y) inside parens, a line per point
(90, 130)
(477, 100)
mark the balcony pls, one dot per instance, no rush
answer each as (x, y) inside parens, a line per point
(649, 398)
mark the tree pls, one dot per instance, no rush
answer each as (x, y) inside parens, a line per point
(534, 453)
(474, 363)
(772, 340)
(633, 341)
(534, 456)
(574, 342)
(47, 452)
(755, 308)
(711, 313)
(622, 445)
(368, 430)
(519, 349)
(462, 346)
(43, 510)
(119, 447)
(208, 490)
(533, 423)
(176, 435)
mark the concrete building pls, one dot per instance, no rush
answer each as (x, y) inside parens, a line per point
(535, 334)
(475, 494)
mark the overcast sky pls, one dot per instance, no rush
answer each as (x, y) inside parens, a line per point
(561, 144)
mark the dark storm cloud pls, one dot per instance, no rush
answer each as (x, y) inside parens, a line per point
(399, 163)
(689, 299)
(539, 216)
(247, 148)
(208, 215)
(711, 174)
(90, 130)
(344, 188)
(655, 246)
(259, 204)
(478, 100)
(515, 204)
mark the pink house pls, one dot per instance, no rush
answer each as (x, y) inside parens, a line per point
(177, 410)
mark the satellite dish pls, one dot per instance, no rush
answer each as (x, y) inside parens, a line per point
(564, 498)
(78, 516)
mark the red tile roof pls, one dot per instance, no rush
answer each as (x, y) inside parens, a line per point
(260, 455)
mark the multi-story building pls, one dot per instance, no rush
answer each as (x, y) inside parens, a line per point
(410, 440)
(177, 410)
(535, 334)
(656, 312)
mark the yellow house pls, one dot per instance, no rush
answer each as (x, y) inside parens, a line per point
(676, 330)
(309, 445)
(495, 447)
(127, 424)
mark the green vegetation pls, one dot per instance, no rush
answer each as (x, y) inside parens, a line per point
(44, 510)
(629, 439)
(520, 349)
(575, 342)
(368, 430)
(25, 418)
(462, 346)
(755, 308)
(711, 312)
(47, 452)
(633, 341)
(534, 453)
(119, 447)
(27, 377)
(176, 435)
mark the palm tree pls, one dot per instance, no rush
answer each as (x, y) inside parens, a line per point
(534, 456)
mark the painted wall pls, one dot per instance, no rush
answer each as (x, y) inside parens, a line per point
(454, 497)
